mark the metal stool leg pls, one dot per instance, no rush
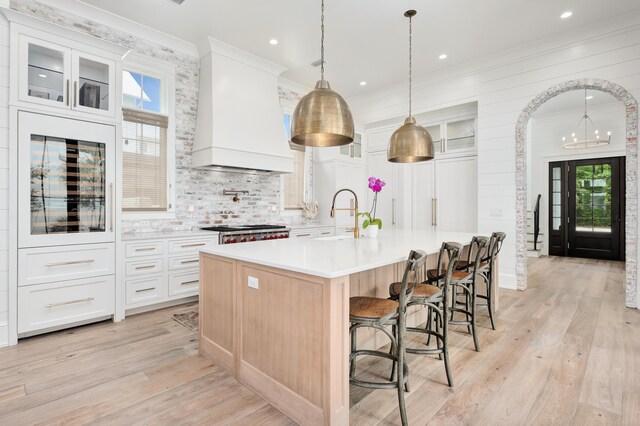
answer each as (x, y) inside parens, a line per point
(490, 298)
(473, 318)
(352, 366)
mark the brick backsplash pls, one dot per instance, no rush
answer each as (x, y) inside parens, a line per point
(201, 189)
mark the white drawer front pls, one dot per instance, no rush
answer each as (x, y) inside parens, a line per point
(151, 248)
(183, 284)
(144, 267)
(303, 233)
(190, 246)
(144, 291)
(326, 232)
(49, 305)
(184, 262)
(50, 264)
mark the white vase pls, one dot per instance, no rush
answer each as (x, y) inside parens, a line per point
(371, 231)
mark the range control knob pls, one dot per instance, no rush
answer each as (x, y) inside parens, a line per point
(253, 238)
(244, 240)
(264, 237)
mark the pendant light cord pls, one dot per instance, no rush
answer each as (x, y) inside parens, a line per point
(410, 62)
(322, 41)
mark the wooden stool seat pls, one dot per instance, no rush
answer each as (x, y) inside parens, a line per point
(422, 291)
(371, 307)
(463, 264)
(460, 275)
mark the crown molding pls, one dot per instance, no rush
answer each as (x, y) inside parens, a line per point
(125, 25)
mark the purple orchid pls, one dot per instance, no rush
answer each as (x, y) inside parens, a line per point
(376, 184)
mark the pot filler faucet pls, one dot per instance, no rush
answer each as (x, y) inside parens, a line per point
(356, 229)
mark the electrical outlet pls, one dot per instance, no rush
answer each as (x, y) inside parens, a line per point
(253, 282)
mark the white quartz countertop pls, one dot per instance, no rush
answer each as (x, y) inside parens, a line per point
(332, 257)
(140, 236)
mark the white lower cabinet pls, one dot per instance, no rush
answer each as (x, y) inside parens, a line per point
(162, 270)
(43, 306)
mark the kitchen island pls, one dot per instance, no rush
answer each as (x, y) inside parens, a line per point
(276, 313)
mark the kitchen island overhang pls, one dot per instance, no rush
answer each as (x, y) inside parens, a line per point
(275, 314)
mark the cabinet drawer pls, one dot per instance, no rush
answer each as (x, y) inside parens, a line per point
(303, 233)
(146, 290)
(49, 305)
(50, 264)
(182, 284)
(190, 246)
(326, 232)
(144, 267)
(185, 262)
(151, 248)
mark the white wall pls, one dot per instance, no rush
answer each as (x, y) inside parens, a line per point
(546, 146)
(4, 180)
(503, 85)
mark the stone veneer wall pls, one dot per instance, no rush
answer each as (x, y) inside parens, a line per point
(198, 188)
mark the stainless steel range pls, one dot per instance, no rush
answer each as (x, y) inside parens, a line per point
(249, 233)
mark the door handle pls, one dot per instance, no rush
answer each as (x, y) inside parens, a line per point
(75, 94)
(433, 211)
(113, 208)
(393, 211)
(436, 212)
(68, 98)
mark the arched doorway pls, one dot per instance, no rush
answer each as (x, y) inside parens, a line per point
(631, 230)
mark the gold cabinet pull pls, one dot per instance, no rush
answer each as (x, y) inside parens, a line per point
(70, 262)
(68, 94)
(75, 94)
(142, 290)
(146, 249)
(184, 262)
(190, 282)
(304, 235)
(145, 267)
(71, 302)
(193, 245)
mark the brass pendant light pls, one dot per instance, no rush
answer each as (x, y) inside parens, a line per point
(410, 143)
(322, 118)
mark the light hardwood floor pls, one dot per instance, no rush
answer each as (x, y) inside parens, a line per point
(566, 352)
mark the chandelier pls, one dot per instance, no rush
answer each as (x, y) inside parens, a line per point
(595, 140)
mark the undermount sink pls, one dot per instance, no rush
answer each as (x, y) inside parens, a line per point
(335, 238)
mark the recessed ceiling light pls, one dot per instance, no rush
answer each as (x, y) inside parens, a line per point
(363, 83)
(42, 75)
(589, 97)
(566, 15)
(443, 56)
(273, 41)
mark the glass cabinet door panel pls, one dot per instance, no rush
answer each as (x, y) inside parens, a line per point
(461, 134)
(67, 186)
(434, 131)
(45, 73)
(93, 84)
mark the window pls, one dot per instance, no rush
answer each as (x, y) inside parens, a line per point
(294, 183)
(147, 137)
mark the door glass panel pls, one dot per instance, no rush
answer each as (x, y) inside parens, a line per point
(461, 134)
(93, 91)
(434, 131)
(556, 174)
(593, 198)
(46, 73)
(67, 186)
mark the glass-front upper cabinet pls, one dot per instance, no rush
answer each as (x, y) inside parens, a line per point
(354, 149)
(435, 133)
(461, 135)
(58, 76)
(66, 185)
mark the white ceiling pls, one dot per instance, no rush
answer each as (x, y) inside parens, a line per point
(574, 101)
(366, 39)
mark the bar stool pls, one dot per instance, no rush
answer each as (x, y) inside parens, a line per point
(380, 313)
(436, 300)
(464, 283)
(495, 245)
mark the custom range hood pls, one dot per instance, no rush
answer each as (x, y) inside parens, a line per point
(239, 124)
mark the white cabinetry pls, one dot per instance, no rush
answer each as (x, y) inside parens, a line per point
(325, 231)
(59, 73)
(444, 195)
(331, 176)
(390, 199)
(453, 136)
(162, 270)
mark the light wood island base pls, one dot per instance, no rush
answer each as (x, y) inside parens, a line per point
(288, 339)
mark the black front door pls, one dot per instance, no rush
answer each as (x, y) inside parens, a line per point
(586, 208)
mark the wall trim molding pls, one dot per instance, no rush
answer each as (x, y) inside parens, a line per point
(631, 213)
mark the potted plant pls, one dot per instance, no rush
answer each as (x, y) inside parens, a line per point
(372, 224)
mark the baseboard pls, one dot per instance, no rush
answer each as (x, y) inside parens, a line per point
(507, 281)
(4, 335)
